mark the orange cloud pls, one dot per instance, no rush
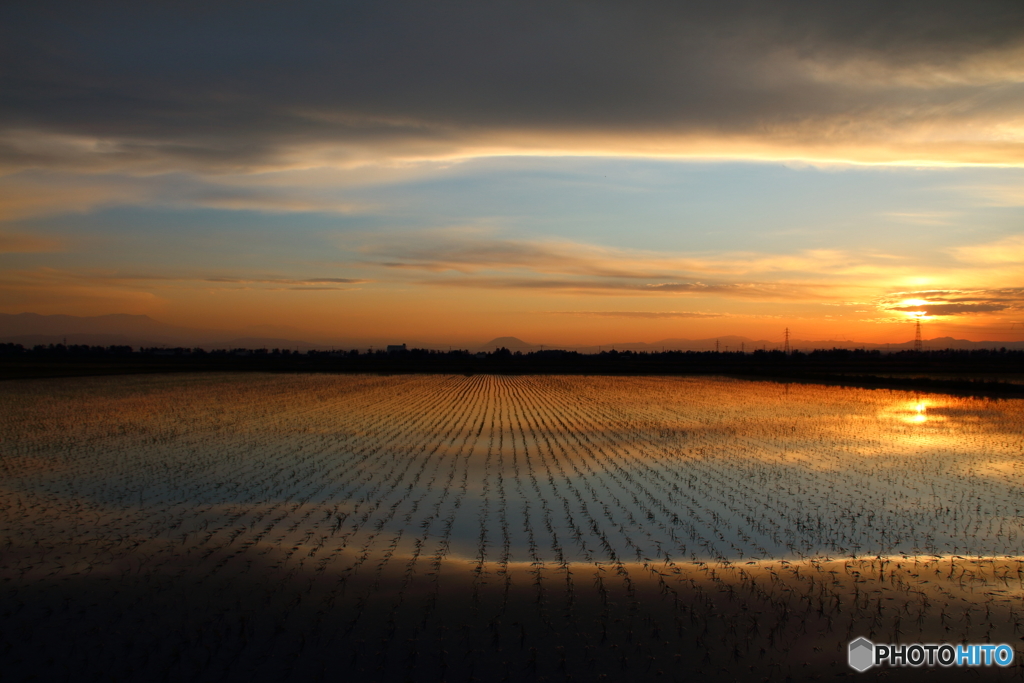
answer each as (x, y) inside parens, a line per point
(32, 194)
(609, 287)
(472, 254)
(943, 303)
(655, 315)
(27, 244)
(56, 278)
(1007, 251)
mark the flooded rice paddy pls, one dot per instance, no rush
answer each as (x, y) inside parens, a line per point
(296, 527)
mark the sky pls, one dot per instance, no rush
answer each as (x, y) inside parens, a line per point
(564, 172)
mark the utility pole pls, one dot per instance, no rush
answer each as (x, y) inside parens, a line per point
(743, 347)
(918, 344)
(786, 351)
(716, 346)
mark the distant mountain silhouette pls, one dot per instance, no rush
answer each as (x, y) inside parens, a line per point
(510, 343)
(29, 329)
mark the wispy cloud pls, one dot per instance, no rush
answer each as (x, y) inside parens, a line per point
(286, 281)
(922, 217)
(941, 303)
(28, 195)
(743, 290)
(478, 261)
(43, 193)
(27, 244)
(652, 315)
(471, 259)
(933, 309)
(473, 254)
(1007, 251)
(49, 277)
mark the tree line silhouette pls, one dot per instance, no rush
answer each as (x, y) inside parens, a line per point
(975, 371)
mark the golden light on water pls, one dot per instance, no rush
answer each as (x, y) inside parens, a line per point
(913, 412)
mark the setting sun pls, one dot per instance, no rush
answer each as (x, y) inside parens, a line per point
(597, 176)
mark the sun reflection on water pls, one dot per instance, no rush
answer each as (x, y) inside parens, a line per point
(913, 412)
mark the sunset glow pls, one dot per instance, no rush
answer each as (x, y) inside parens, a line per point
(590, 176)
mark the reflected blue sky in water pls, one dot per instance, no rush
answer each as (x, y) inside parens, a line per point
(525, 469)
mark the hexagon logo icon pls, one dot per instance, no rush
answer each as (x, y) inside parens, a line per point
(862, 654)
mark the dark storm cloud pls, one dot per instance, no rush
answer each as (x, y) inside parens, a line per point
(225, 85)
